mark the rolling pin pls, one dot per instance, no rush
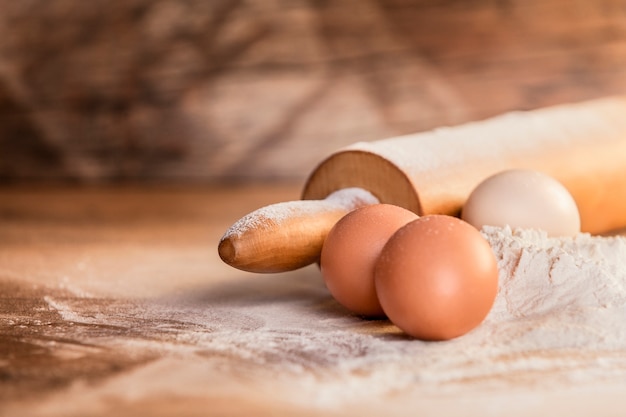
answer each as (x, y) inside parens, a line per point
(582, 145)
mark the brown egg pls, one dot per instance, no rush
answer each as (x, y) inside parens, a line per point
(436, 278)
(350, 252)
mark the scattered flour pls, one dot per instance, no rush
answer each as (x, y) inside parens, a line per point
(559, 320)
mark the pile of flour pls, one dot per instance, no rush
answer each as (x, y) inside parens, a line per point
(576, 278)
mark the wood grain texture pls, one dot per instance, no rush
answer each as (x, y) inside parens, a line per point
(113, 302)
(206, 91)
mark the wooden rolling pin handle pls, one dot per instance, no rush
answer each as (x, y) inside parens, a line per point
(287, 236)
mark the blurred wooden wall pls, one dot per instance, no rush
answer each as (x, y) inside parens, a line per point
(197, 90)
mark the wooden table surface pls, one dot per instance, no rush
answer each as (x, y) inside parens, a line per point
(113, 301)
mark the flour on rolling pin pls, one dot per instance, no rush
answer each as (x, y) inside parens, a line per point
(277, 214)
(583, 146)
(516, 133)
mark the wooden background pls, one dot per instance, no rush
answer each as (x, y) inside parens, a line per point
(113, 299)
(209, 91)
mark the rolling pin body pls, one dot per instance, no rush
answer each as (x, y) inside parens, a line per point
(581, 145)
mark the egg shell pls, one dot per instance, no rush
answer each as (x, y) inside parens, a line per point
(523, 199)
(350, 251)
(436, 278)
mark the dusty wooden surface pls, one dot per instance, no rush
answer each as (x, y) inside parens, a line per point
(197, 90)
(111, 300)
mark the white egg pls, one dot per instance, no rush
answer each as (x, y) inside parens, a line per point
(523, 199)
